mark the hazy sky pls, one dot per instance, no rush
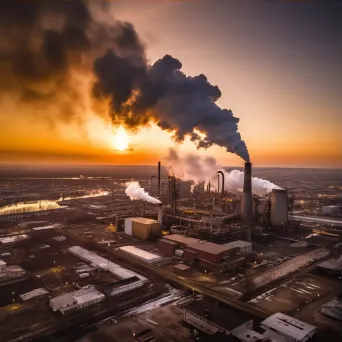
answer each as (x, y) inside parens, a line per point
(277, 63)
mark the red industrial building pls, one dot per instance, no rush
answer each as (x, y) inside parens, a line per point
(207, 254)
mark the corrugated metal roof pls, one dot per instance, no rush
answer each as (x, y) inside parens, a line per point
(199, 245)
(34, 293)
(288, 326)
(103, 263)
(140, 253)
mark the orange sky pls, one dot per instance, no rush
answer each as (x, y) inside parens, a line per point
(289, 109)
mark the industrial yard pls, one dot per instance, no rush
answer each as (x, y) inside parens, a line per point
(107, 256)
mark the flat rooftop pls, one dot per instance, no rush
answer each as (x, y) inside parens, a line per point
(224, 317)
(199, 245)
(143, 220)
(332, 264)
(140, 253)
(238, 243)
(103, 263)
(288, 326)
(316, 219)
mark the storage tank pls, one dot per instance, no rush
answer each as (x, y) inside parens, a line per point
(279, 207)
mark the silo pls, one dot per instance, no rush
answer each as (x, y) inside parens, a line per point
(279, 207)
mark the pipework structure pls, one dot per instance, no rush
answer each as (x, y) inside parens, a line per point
(247, 202)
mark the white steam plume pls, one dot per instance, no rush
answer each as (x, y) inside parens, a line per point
(136, 192)
(198, 169)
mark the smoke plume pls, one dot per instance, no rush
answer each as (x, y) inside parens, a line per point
(136, 192)
(198, 170)
(60, 57)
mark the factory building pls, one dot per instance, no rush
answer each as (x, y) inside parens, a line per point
(10, 272)
(13, 240)
(142, 228)
(248, 335)
(122, 286)
(333, 309)
(331, 209)
(141, 254)
(206, 316)
(279, 207)
(104, 264)
(36, 293)
(70, 302)
(332, 266)
(207, 254)
(245, 247)
(280, 327)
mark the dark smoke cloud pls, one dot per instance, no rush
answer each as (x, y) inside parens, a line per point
(44, 43)
(175, 102)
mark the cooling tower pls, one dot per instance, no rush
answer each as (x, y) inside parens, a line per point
(279, 207)
(247, 202)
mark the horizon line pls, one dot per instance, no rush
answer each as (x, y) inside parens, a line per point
(155, 164)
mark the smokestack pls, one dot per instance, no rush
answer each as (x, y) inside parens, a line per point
(222, 186)
(160, 215)
(247, 205)
(159, 167)
(209, 188)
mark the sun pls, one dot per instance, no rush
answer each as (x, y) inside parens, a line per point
(121, 139)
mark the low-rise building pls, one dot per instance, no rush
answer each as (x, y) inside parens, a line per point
(13, 239)
(332, 266)
(14, 271)
(244, 247)
(122, 286)
(70, 302)
(140, 254)
(333, 309)
(204, 315)
(181, 269)
(248, 335)
(208, 255)
(36, 293)
(288, 329)
(331, 209)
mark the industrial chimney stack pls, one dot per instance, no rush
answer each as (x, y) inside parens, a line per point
(159, 167)
(247, 204)
(160, 215)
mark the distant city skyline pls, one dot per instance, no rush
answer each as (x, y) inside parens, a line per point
(277, 65)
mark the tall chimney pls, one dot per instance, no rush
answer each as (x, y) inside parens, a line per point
(247, 204)
(160, 215)
(222, 186)
(159, 167)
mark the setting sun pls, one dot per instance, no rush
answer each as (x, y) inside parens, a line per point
(121, 139)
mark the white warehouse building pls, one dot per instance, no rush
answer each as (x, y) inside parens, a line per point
(72, 301)
(280, 327)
